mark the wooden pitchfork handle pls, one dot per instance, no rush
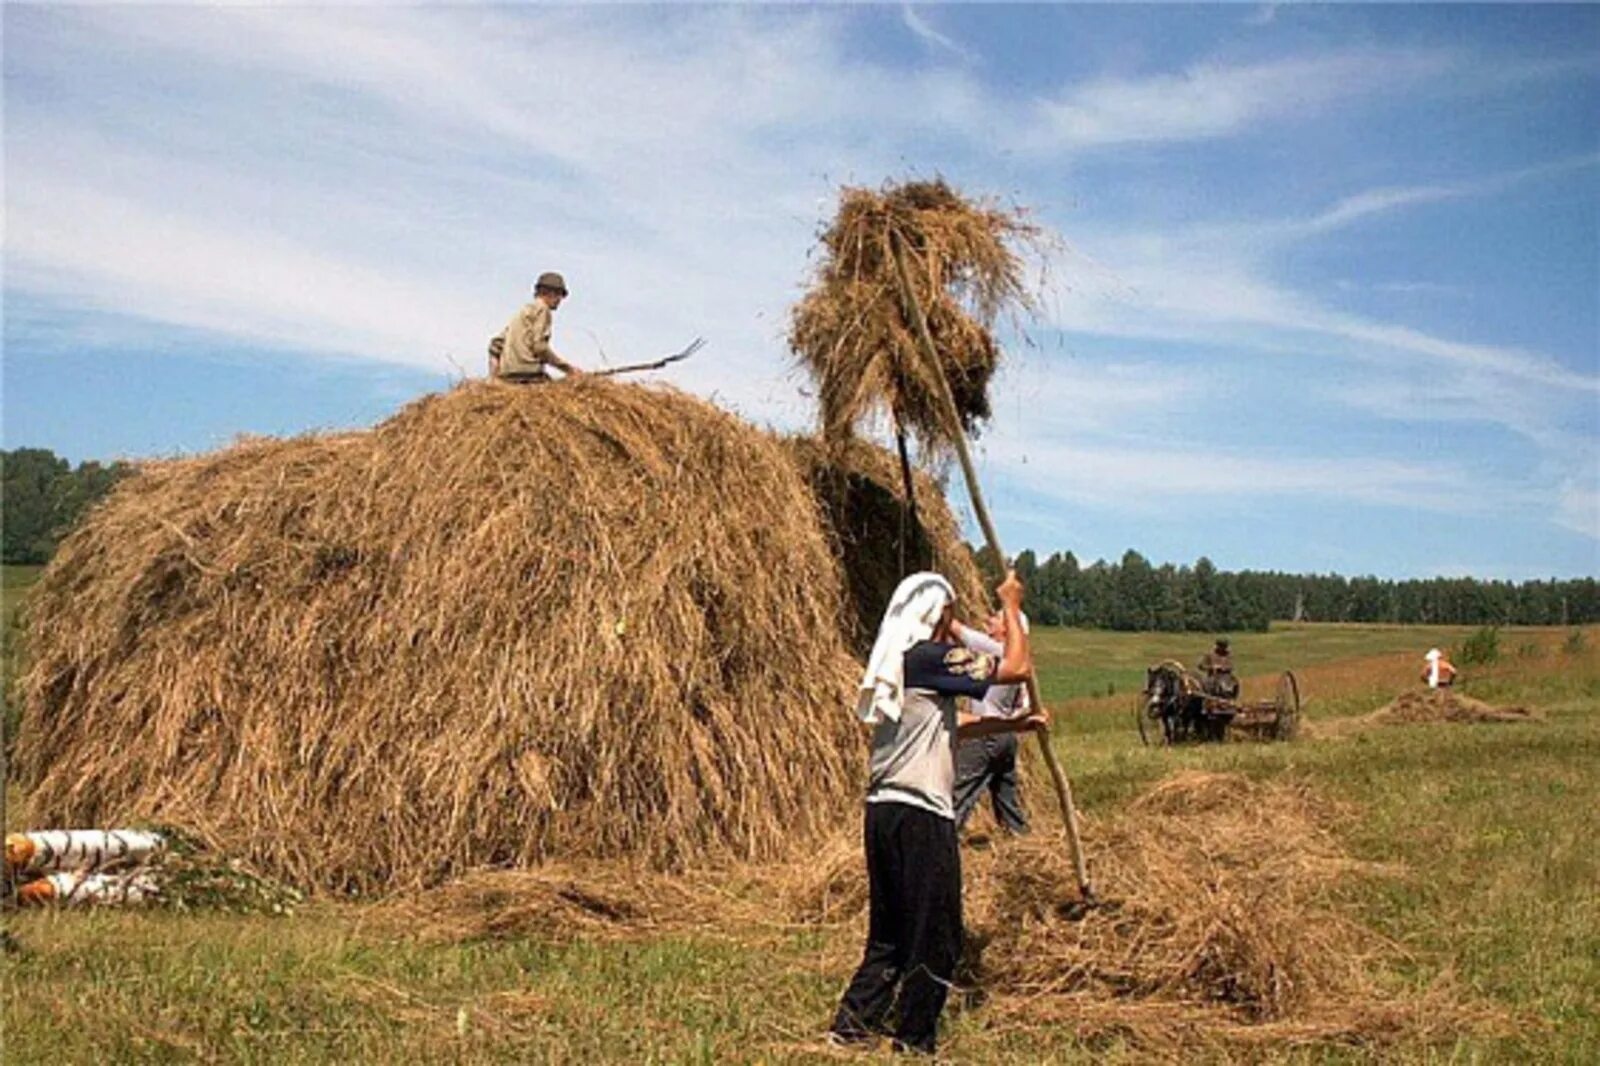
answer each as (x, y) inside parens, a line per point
(1069, 813)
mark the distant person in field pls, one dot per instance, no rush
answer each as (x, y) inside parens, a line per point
(521, 353)
(1438, 673)
(908, 695)
(1216, 672)
(990, 762)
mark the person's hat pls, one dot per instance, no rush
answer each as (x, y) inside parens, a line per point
(1434, 653)
(1222, 642)
(552, 281)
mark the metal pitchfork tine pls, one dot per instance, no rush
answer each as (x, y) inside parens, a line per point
(694, 346)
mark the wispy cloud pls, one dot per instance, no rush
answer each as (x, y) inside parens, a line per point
(1133, 477)
(1262, 15)
(1579, 506)
(924, 32)
(1211, 100)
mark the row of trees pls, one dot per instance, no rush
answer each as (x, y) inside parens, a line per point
(44, 495)
(1134, 594)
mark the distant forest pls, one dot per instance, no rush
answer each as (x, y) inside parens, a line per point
(1134, 594)
(44, 496)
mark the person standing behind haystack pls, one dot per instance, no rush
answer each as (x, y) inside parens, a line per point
(1438, 673)
(908, 695)
(521, 352)
(991, 761)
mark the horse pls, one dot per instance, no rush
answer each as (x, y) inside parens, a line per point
(1175, 698)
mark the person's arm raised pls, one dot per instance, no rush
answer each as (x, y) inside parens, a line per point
(1016, 664)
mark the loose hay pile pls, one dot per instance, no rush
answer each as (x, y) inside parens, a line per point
(505, 625)
(1445, 705)
(1222, 921)
(854, 334)
(862, 496)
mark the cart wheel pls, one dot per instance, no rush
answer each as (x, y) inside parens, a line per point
(1287, 705)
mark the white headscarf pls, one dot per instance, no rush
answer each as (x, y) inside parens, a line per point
(912, 614)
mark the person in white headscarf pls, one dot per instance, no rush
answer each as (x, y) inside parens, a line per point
(908, 695)
(1438, 673)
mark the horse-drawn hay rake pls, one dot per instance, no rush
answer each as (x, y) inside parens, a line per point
(1175, 708)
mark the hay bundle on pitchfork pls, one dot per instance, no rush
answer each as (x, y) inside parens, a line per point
(899, 323)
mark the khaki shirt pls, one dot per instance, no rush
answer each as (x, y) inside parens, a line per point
(527, 341)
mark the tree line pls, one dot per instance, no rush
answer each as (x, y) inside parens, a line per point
(43, 498)
(1134, 594)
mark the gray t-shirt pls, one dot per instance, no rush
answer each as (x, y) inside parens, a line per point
(1001, 701)
(913, 760)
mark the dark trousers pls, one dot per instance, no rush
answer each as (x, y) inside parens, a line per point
(914, 927)
(989, 762)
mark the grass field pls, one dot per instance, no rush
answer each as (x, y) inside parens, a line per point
(1491, 827)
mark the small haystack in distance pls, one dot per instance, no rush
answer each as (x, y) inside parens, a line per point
(505, 625)
(854, 334)
(1446, 705)
(862, 496)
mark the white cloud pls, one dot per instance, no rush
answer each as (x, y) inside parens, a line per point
(1263, 15)
(925, 32)
(1212, 100)
(1578, 507)
(1130, 477)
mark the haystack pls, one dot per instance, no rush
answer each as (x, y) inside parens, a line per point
(874, 535)
(590, 620)
(854, 334)
(1445, 705)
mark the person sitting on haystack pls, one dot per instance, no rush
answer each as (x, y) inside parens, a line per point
(908, 695)
(1438, 673)
(991, 761)
(1216, 672)
(521, 352)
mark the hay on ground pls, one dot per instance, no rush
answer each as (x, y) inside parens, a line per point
(1446, 705)
(1222, 920)
(852, 330)
(505, 625)
(859, 488)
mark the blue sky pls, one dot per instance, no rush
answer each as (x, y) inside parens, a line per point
(1327, 296)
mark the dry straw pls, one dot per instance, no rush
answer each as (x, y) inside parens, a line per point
(1225, 922)
(874, 533)
(1223, 919)
(1443, 705)
(852, 330)
(507, 624)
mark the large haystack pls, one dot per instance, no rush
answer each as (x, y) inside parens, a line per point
(862, 496)
(585, 620)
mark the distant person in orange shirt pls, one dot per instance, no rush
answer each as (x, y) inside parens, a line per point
(1438, 673)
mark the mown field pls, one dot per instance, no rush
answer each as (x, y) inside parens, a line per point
(1489, 826)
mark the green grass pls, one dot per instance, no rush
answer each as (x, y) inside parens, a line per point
(1492, 826)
